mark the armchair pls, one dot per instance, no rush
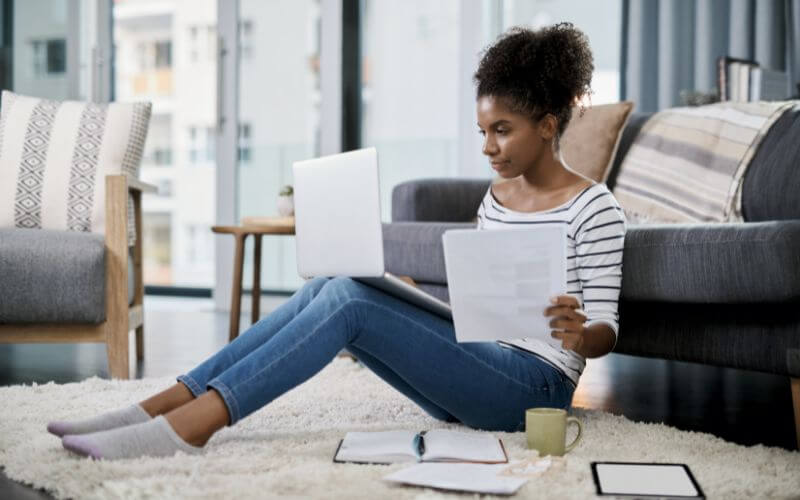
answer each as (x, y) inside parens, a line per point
(120, 313)
(70, 224)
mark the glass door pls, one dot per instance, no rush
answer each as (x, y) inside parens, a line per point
(166, 53)
(410, 89)
(278, 118)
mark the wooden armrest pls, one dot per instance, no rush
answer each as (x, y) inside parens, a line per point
(136, 184)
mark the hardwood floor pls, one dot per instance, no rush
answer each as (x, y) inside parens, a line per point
(739, 406)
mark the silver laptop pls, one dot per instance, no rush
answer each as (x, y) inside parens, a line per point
(338, 225)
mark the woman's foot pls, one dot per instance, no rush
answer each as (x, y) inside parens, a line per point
(187, 429)
(163, 402)
(154, 438)
(133, 414)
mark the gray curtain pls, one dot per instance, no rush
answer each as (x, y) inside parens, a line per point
(673, 45)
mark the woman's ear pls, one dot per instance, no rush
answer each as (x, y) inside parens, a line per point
(548, 126)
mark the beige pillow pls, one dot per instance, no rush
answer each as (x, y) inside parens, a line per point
(590, 141)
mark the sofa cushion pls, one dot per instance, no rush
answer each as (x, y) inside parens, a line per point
(687, 263)
(687, 164)
(632, 128)
(415, 249)
(51, 276)
(439, 200)
(592, 137)
(771, 189)
(712, 263)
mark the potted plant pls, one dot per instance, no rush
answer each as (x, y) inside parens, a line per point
(286, 201)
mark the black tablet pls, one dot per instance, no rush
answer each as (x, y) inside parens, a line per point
(645, 480)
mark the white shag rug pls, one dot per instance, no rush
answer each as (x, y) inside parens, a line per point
(285, 449)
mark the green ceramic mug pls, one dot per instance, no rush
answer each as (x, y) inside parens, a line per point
(546, 430)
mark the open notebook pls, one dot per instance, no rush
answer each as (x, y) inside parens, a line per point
(439, 445)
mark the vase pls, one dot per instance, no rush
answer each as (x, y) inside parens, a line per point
(286, 205)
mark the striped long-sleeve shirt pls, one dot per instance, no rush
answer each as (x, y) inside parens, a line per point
(595, 238)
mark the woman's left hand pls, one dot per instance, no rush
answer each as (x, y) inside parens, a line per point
(569, 320)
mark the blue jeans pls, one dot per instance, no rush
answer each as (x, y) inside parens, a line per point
(482, 384)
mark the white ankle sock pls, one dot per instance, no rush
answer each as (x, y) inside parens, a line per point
(133, 414)
(155, 438)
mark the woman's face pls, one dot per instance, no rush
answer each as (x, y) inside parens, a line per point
(513, 143)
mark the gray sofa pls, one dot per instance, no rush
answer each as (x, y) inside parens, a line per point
(721, 294)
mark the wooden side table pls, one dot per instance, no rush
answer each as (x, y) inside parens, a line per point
(240, 233)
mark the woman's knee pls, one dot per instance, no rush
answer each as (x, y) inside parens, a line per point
(343, 289)
(312, 287)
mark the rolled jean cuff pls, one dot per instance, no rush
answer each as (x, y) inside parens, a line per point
(190, 384)
(228, 398)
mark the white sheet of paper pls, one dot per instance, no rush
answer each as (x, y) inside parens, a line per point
(480, 478)
(501, 281)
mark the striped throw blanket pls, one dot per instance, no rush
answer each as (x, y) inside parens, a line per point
(687, 164)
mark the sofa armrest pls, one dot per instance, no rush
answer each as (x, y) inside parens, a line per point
(415, 249)
(438, 200)
(750, 262)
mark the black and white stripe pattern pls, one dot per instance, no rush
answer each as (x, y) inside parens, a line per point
(595, 238)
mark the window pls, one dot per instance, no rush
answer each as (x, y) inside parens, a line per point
(245, 154)
(410, 89)
(279, 109)
(211, 43)
(158, 146)
(202, 145)
(164, 187)
(601, 21)
(246, 39)
(192, 42)
(157, 232)
(163, 50)
(180, 147)
(49, 57)
(202, 43)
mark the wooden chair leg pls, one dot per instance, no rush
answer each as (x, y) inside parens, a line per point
(117, 348)
(796, 404)
(140, 343)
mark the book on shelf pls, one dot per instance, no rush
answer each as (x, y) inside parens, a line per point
(438, 445)
(745, 80)
(773, 85)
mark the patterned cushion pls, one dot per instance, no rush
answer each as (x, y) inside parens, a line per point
(54, 157)
(687, 164)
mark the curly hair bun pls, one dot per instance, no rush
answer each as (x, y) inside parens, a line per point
(538, 72)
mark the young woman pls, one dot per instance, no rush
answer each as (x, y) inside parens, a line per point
(527, 85)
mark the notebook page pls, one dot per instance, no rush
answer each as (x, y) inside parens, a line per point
(480, 478)
(446, 445)
(384, 446)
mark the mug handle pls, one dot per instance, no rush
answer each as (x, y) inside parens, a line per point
(578, 437)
